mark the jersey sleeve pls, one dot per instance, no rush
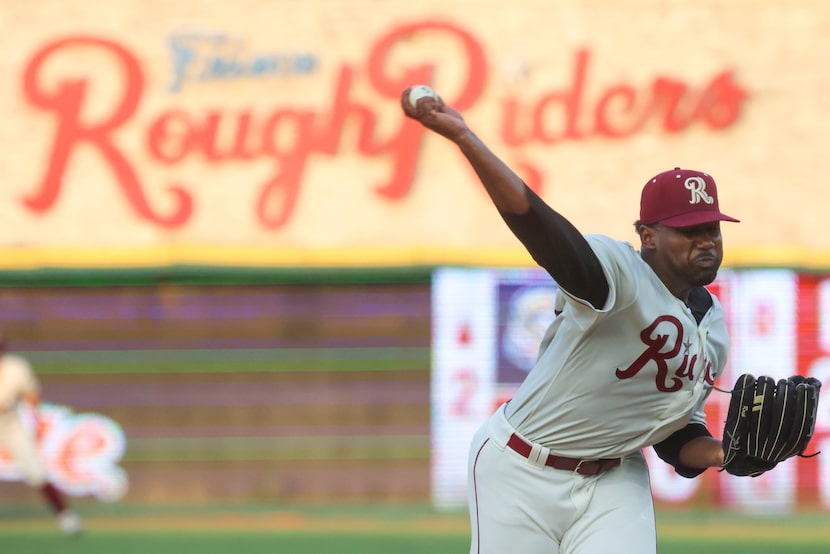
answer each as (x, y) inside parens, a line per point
(669, 449)
(27, 383)
(619, 265)
(560, 249)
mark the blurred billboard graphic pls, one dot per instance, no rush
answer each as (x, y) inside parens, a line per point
(481, 315)
(81, 453)
(150, 134)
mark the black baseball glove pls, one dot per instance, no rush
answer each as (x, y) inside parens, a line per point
(768, 422)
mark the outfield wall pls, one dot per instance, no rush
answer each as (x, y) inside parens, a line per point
(234, 393)
(345, 391)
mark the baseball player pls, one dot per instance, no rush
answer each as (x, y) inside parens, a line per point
(627, 363)
(19, 384)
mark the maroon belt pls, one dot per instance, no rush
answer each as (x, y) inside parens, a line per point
(583, 467)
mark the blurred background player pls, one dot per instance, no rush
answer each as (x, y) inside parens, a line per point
(18, 384)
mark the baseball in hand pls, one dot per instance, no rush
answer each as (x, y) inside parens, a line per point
(419, 91)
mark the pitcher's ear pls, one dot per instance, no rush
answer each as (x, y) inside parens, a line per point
(647, 233)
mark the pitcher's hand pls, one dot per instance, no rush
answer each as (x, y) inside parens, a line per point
(435, 115)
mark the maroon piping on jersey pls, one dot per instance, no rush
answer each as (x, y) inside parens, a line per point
(475, 493)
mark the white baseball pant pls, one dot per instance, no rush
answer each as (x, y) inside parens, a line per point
(516, 506)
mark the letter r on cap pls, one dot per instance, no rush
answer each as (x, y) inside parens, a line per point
(697, 186)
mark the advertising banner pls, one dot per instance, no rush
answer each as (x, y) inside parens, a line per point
(778, 323)
(269, 133)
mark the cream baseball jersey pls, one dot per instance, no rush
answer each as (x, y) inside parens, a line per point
(650, 379)
(16, 379)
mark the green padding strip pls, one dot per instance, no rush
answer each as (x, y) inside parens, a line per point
(282, 443)
(212, 275)
(198, 366)
(278, 360)
(229, 354)
(261, 454)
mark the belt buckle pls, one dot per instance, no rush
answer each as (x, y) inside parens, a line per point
(579, 466)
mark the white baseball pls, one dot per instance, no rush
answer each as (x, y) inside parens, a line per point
(419, 91)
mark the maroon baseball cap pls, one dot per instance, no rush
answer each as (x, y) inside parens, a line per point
(681, 198)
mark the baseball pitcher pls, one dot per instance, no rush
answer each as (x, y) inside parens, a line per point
(627, 363)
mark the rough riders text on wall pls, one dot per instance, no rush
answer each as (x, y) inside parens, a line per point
(288, 135)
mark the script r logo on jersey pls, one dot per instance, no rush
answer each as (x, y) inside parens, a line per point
(663, 340)
(697, 186)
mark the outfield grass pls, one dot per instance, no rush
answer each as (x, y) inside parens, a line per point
(375, 530)
(262, 542)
